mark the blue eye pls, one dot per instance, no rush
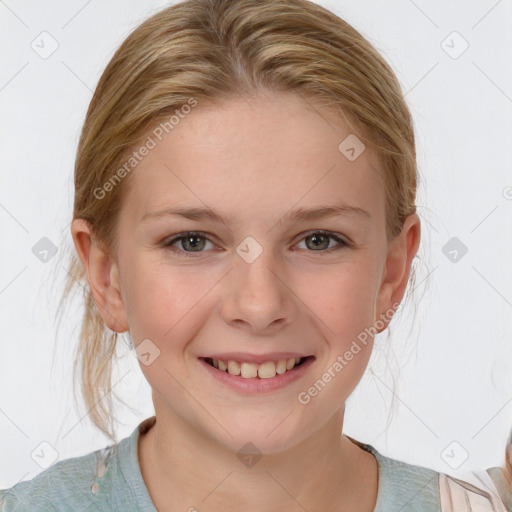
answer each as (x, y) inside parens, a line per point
(190, 242)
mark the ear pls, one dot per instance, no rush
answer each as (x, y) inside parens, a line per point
(103, 276)
(401, 252)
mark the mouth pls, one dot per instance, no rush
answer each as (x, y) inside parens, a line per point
(265, 370)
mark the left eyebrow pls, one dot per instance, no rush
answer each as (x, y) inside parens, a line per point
(296, 215)
(320, 212)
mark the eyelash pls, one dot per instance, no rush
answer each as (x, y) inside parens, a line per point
(194, 254)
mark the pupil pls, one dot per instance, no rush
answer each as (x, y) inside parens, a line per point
(192, 241)
(317, 241)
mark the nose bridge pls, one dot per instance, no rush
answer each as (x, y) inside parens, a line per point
(255, 267)
(257, 294)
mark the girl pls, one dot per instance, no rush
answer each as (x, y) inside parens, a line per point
(245, 211)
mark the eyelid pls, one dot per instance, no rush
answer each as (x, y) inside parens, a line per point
(168, 243)
(341, 241)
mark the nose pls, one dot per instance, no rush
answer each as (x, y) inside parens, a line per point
(257, 297)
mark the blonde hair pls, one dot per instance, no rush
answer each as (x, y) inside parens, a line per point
(212, 50)
(508, 463)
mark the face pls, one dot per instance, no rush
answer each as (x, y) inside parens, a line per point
(293, 262)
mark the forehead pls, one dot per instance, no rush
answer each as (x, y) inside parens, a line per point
(256, 157)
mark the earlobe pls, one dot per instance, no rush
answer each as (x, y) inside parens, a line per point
(102, 275)
(401, 253)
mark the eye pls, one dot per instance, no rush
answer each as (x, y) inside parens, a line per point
(188, 242)
(321, 241)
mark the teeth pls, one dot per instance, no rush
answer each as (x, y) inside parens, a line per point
(266, 370)
(233, 368)
(281, 366)
(248, 370)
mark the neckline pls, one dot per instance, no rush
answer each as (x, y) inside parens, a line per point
(130, 467)
(382, 475)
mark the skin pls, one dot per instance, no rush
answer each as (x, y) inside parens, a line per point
(252, 161)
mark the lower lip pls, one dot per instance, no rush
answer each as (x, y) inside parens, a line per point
(255, 384)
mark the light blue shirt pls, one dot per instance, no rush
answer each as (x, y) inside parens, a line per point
(110, 480)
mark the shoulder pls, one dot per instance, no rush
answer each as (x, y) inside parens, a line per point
(404, 486)
(423, 489)
(104, 480)
(67, 485)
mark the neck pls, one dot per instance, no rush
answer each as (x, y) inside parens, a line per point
(185, 470)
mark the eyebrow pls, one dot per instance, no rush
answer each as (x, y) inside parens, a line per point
(296, 215)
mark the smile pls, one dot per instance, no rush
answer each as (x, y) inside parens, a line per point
(265, 370)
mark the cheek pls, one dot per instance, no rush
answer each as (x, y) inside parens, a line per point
(342, 296)
(343, 300)
(161, 301)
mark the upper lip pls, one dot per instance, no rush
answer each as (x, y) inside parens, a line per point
(254, 358)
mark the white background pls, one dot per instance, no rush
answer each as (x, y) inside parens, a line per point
(454, 379)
